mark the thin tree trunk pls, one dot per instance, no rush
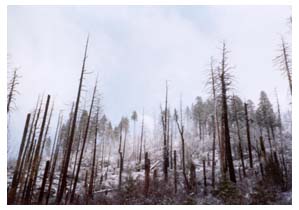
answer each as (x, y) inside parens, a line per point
(83, 145)
(73, 128)
(90, 191)
(174, 171)
(35, 163)
(42, 189)
(213, 156)
(15, 181)
(248, 136)
(147, 166)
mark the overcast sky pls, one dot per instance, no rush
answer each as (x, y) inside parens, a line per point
(134, 49)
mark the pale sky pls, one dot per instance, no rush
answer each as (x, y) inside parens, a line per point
(134, 49)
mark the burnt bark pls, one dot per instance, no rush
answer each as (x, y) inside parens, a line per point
(73, 128)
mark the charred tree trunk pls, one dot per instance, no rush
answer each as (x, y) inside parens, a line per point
(12, 90)
(35, 163)
(213, 156)
(90, 191)
(181, 131)
(83, 145)
(147, 166)
(71, 138)
(204, 172)
(193, 186)
(248, 136)
(164, 124)
(54, 159)
(120, 159)
(141, 138)
(240, 139)
(15, 181)
(225, 127)
(175, 172)
(42, 189)
(220, 143)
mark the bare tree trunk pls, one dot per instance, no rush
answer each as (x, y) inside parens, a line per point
(35, 163)
(225, 127)
(164, 124)
(181, 131)
(171, 144)
(73, 128)
(12, 90)
(42, 189)
(213, 158)
(287, 63)
(120, 159)
(141, 138)
(83, 145)
(204, 172)
(248, 136)
(15, 181)
(43, 145)
(175, 172)
(240, 139)
(54, 159)
(24, 164)
(90, 191)
(147, 166)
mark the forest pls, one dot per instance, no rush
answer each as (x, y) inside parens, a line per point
(219, 150)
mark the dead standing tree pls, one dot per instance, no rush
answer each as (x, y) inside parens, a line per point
(239, 136)
(73, 128)
(284, 61)
(181, 131)
(92, 175)
(35, 162)
(213, 83)
(141, 139)
(15, 180)
(248, 136)
(12, 91)
(225, 82)
(121, 159)
(56, 147)
(147, 166)
(213, 155)
(83, 145)
(164, 119)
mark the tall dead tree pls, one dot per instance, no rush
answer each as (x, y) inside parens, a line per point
(56, 147)
(164, 116)
(23, 165)
(29, 157)
(141, 137)
(15, 180)
(42, 189)
(181, 131)
(239, 137)
(83, 144)
(121, 160)
(221, 144)
(248, 136)
(213, 155)
(35, 163)
(90, 190)
(12, 91)
(284, 61)
(73, 128)
(175, 172)
(43, 145)
(225, 81)
(147, 167)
